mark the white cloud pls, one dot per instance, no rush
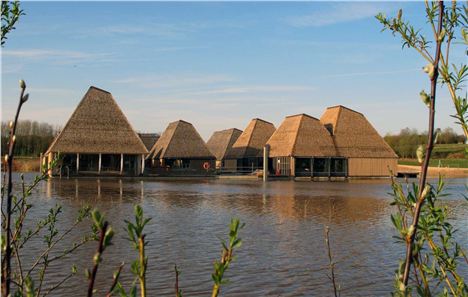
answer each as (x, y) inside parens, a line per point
(56, 56)
(338, 13)
(171, 81)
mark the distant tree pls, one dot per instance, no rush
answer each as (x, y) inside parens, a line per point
(11, 13)
(32, 138)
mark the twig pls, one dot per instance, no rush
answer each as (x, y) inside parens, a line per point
(6, 264)
(331, 264)
(116, 280)
(430, 144)
(97, 260)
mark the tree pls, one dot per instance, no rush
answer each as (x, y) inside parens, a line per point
(11, 13)
(419, 218)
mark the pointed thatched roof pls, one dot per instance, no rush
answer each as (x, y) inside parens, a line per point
(221, 142)
(149, 139)
(98, 125)
(180, 140)
(353, 135)
(301, 136)
(251, 142)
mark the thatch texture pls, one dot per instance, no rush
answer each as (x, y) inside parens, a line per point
(149, 139)
(353, 135)
(221, 142)
(98, 125)
(301, 136)
(251, 142)
(180, 140)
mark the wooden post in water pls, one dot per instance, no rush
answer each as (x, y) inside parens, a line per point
(142, 163)
(266, 154)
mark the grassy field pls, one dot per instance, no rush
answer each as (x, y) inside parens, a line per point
(449, 148)
(452, 163)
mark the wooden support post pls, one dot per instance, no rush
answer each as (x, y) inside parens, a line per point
(121, 163)
(293, 167)
(77, 163)
(266, 154)
(49, 164)
(99, 163)
(329, 167)
(142, 164)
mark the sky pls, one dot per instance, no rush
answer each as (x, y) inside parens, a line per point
(219, 64)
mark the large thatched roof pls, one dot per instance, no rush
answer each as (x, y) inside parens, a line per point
(149, 139)
(221, 142)
(98, 125)
(301, 136)
(251, 142)
(180, 140)
(353, 135)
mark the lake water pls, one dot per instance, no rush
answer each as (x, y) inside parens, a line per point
(283, 251)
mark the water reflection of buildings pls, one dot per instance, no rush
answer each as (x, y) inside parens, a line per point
(283, 200)
(88, 189)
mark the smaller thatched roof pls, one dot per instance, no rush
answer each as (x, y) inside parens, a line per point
(98, 125)
(353, 135)
(149, 139)
(180, 140)
(221, 142)
(301, 136)
(251, 142)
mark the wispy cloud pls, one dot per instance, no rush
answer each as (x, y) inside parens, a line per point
(170, 81)
(367, 73)
(56, 56)
(338, 13)
(256, 89)
(151, 29)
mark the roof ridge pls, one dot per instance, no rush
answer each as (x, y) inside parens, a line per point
(99, 89)
(344, 107)
(302, 114)
(259, 119)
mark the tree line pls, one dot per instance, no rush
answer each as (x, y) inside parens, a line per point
(406, 142)
(32, 137)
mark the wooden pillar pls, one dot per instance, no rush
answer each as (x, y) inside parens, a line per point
(121, 163)
(100, 161)
(266, 154)
(77, 163)
(49, 164)
(293, 166)
(142, 163)
(329, 168)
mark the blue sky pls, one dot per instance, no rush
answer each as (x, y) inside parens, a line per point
(218, 64)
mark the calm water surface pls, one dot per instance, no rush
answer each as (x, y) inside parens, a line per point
(283, 251)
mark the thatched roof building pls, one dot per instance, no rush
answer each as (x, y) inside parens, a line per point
(301, 136)
(180, 140)
(98, 125)
(251, 142)
(221, 142)
(149, 139)
(353, 135)
(356, 139)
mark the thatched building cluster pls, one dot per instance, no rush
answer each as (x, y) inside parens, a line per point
(99, 140)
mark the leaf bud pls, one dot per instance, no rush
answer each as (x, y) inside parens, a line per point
(22, 84)
(425, 98)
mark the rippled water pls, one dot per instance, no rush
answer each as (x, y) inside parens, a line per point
(283, 251)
